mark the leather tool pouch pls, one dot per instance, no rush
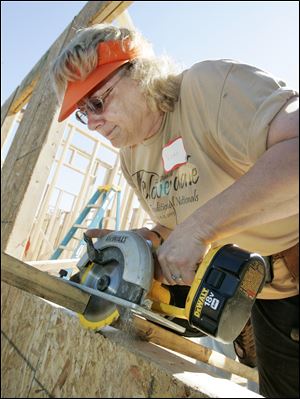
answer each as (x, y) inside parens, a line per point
(269, 269)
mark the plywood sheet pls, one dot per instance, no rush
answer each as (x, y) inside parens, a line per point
(46, 353)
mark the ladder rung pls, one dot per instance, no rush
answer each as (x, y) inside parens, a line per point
(64, 247)
(80, 226)
(93, 206)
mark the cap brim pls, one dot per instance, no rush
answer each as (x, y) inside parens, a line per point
(80, 88)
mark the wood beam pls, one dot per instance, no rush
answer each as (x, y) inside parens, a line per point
(158, 335)
(20, 275)
(5, 109)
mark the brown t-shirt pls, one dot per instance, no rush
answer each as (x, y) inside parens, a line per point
(219, 125)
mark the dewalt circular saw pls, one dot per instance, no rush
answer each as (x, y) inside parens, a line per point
(118, 272)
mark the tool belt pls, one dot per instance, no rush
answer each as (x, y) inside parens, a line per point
(291, 259)
(244, 346)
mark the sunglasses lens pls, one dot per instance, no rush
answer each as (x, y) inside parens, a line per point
(93, 105)
(96, 105)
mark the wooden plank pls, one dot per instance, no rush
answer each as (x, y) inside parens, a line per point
(167, 339)
(40, 264)
(7, 118)
(29, 279)
(54, 266)
(6, 108)
(111, 11)
(6, 128)
(24, 90)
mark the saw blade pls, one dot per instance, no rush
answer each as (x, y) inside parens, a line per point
(107, 276)
(135, 308)
(99, 311)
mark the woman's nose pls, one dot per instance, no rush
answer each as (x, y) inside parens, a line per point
(94, 121)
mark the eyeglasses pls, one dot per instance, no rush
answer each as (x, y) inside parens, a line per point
(96, 105)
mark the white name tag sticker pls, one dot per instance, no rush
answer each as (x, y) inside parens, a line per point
(174, 155)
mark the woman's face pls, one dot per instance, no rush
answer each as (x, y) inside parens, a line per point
(126, 119)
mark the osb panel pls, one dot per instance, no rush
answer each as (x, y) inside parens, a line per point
(80, 363)
(4, 296)
(25, 323)
(16, 373)
(46, 353)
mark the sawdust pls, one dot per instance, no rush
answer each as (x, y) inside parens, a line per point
(127, 332)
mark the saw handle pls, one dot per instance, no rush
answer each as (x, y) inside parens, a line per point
(93, 254)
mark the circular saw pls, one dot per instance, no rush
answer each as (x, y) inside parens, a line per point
(118, 273)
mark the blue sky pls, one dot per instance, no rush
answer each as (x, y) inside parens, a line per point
(265, 34)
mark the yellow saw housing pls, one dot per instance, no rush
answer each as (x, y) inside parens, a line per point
(221, 296)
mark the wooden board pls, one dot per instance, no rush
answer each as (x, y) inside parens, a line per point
(30, 279)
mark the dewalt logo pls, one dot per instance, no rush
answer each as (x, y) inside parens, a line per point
(200, 302)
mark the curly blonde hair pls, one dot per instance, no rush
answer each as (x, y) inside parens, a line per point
(158, 77)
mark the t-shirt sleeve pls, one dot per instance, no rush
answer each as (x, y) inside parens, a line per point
(249, 100)
(235, 103)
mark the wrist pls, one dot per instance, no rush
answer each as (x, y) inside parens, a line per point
(205, 228)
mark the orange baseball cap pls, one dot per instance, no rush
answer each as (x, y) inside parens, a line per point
(111, 55)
